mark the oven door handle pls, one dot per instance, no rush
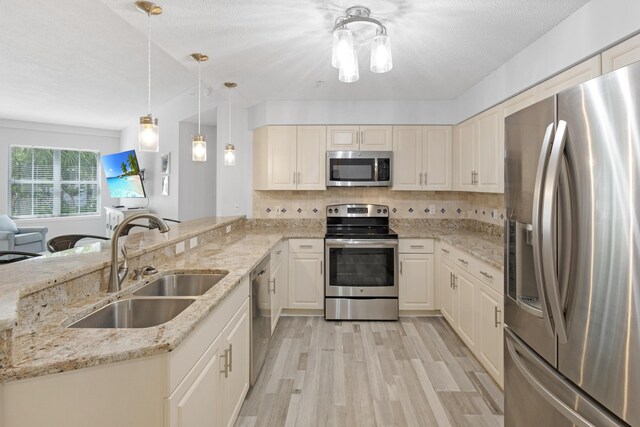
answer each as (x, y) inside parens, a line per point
(367, 242)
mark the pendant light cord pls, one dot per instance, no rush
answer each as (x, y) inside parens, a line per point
(229, 116)
(149, 64)
(199, 93)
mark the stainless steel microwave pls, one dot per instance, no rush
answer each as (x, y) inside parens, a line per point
(359, 168)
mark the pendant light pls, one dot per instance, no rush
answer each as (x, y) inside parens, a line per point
(199, 144)
(229, 149)
(148, 136)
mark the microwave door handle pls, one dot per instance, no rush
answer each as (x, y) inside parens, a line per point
(549, 232)
(537, 228)
(375, 169)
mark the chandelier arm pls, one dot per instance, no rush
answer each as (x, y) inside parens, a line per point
(350, 20)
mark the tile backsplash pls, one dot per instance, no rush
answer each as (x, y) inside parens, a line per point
(485, 207)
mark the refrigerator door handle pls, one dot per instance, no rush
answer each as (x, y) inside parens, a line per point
(537, 229)
(553, 388)
(549, 232)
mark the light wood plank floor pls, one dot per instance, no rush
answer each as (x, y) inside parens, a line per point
(415, 372)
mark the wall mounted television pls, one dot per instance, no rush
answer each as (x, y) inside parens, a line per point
(123, 175)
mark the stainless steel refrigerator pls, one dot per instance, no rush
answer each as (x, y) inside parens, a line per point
(572, 256)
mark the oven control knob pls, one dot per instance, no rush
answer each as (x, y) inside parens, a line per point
(379, 210)
(361, 289)
(330, 210)
(336, 210)
(384, 211)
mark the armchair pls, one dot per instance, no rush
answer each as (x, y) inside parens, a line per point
(27, 239)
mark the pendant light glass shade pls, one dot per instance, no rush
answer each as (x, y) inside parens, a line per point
(342, 47)
(381, 60)
(199, 149)
(349, 72)
(229, 155)
(149, 134)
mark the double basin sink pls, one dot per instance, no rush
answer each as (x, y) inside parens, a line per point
(153, 304)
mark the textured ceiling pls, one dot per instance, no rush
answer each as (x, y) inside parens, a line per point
(85, 60)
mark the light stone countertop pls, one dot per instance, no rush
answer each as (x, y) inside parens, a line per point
(53, 348)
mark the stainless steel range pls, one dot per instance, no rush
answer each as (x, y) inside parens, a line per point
(361, 253)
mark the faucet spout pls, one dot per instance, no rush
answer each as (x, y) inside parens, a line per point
(116, 277)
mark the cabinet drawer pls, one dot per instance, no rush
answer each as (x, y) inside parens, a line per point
(447, 252)
(488, 275)
(277, 253)
(415, 246)
(306, 245)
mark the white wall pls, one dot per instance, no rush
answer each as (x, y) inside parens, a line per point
(591, 29)
(197, 191)
(57, 136)
(169, 116)
(407, 112)
(235, 183)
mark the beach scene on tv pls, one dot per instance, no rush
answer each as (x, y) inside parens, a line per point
(123, 175)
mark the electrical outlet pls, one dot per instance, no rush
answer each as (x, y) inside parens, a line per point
(193, 243)
(228, 229)
(432, 209)
(495, 214)
(179, 247)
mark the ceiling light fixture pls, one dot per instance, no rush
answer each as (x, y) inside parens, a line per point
(199, 145)
(344, 55)
(148, 136)
(230, 149)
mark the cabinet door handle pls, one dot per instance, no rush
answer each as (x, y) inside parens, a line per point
(455, 282)
(225, 371)
(463, 261)
(417, 246)
(445, 251)
(487, 275)
(362, 137)
(305, 246)
(272, 286)
(420, 178)
(294, 177)
(451, 280)
(400, 267)
(496, 312)
(321, 268)
(230, 357)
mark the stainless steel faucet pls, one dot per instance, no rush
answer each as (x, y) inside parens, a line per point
(118, 274)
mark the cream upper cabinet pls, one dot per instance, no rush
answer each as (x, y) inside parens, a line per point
(582, 72)
(311, 149)
(365, 138)
(289, 158)
(422, 157)
(520, 101)
(407, 158)
(490, 151)
(465, 148)
(436, 157)
(621, 55)
(376, 138)
(478, 158)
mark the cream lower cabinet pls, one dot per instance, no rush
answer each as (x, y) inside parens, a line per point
(306, 274)
(279, 282)
(472, 305)
(202, 382)
(289, 158)
(416, 285)
(422, 157)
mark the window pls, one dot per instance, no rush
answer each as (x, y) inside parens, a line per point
(50, 182)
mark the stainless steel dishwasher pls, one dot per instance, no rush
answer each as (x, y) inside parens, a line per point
(260, 316)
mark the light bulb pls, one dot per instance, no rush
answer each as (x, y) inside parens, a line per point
(342, 47)
(199, 149)
(349, 72)
(229, 155)
(148, 136)
(381, 60)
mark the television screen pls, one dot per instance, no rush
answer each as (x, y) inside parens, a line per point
(123, 175)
